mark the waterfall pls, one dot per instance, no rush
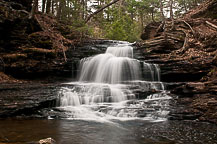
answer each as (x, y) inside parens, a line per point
(113, 67)
(112, 83)
(121, 51)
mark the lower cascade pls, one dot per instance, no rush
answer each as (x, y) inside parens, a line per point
(114, 85)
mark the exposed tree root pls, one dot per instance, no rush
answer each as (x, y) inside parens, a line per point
(189, 26)
(211, 24)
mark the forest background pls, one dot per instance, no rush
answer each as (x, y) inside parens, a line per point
(112, 19)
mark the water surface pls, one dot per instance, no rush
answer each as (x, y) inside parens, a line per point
(114, 132)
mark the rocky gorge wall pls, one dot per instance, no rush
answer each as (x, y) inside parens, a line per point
(40, 47)
(186, 50)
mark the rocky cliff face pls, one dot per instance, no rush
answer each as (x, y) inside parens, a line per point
(186, 51)
(37, 47)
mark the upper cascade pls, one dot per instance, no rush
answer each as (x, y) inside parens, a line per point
(114, 66)
(121, 50)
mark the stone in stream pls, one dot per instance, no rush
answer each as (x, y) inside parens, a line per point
(47, 141)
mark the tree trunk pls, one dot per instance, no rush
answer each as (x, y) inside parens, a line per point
(162, 11)
(86, 9)
(43, 5)
(142, 20)
(64, 12)
(171, 9)
(195, 3)
(83, 9)
(171, 14)
(108, 14)
(67, 5)
(59, 10)
(34, 8)
(99, 10)
(48, 6)
(52, 7)
(152, 15)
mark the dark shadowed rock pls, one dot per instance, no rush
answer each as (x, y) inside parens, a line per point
(26, 99)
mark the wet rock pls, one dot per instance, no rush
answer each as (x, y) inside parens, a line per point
(26, 99)
(47, 141)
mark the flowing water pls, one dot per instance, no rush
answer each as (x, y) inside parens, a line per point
(114, 85)
(117, 99)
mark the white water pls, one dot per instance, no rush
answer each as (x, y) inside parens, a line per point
(108, 68)
(114, 85)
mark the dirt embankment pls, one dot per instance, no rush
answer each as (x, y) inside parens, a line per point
(186, 50)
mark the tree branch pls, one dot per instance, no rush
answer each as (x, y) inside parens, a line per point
(99, 10)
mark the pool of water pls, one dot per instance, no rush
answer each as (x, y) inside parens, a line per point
(113, 132)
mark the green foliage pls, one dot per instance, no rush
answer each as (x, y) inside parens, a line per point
(123, 20)
(83, 29)
(116, 31)
(123, 28)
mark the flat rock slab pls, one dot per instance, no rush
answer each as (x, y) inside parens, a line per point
(25, 99)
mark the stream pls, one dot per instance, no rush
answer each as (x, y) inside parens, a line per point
(116, 99)
(64, 131)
